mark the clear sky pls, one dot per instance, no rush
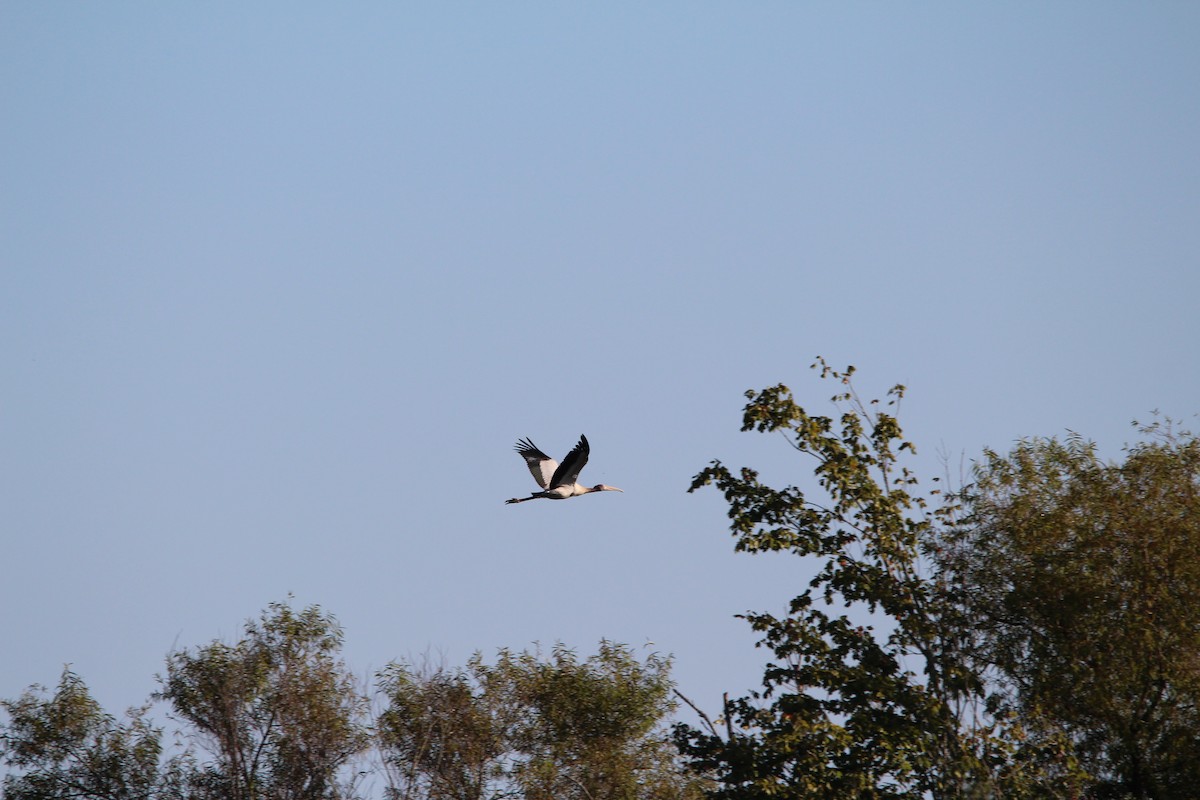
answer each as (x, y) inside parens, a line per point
(282, 283)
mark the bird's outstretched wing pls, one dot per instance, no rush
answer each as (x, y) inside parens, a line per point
(541, 466)
(568, 471)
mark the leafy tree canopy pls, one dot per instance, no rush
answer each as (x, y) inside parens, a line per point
(63, 745)
(534, 727)
(278, 710)
(846, 709)
(870, 693)
(1082, 577)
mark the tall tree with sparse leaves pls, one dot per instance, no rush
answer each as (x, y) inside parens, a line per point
(278, 710)
(867, 692)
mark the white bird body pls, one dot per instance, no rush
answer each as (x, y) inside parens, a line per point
(563, 492)
(558, 481)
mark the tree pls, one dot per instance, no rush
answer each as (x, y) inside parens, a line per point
(533, 727)
(65, 746)
(1083, 576)
(594, 731)
(276, 715)
(444, 733)
(868, 695)
(278, 710)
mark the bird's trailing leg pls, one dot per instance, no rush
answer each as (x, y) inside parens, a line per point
(533, 496)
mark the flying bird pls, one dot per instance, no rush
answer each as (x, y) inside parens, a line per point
(558, 481)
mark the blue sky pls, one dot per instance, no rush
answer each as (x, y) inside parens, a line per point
(282, 284)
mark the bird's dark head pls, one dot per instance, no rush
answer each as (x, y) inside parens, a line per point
(600, 487)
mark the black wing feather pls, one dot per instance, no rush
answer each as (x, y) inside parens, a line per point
(541, 466)
(568, 471)
(528, 449)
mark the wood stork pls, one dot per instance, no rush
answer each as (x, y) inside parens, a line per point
(557, 480)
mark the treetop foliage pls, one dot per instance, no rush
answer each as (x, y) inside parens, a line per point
(533, 726)
(1077, 573)
(66, 746)
(842, 713)
(276, 715)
